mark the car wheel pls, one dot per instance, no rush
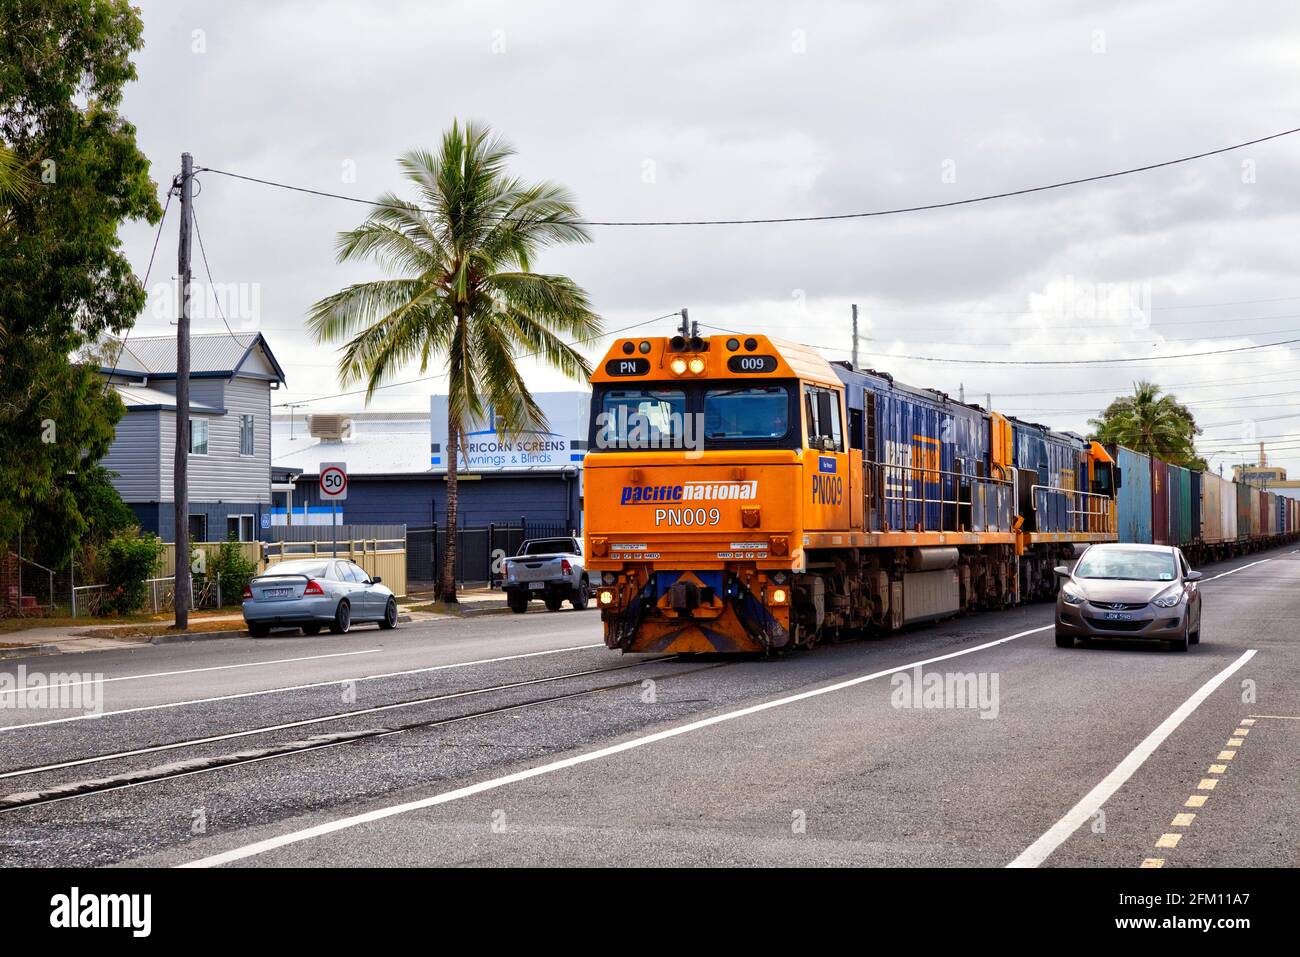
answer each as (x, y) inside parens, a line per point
(1064, 641)
(581, 596)
(553, 604)
(518, 602)
(1179, 644)
(1195, 637)
(389, 621)
(311, 629)
(258, 631)
(342, 619)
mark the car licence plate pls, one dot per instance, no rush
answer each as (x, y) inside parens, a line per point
(537, 586)
(277, 593)
(1117, 616)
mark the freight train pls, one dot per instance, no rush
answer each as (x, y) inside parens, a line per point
(743, 494)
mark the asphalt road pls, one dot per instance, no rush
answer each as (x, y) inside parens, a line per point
(507, 740)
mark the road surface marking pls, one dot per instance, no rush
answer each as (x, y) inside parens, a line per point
(1197, 800)
(1235, 570)
(1247, 721)
(1207, 784)
(340, 824)
(288, 688)
(1226, 755)
(1235, 742)
(1182, 820)
(194, 671)
(1057, 834)
(1169, 840)
(1241, 732)
(1154, 862)
(1218, 769)
(1279, 717)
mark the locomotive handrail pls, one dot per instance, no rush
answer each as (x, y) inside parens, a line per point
(1094, 514)
(897, 485)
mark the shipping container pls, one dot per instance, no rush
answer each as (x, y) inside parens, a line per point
(1212, 509)
(1228, 508)
(1133, 503)
(1195, 529)
(1268, 521)
(1256, 513)
(1243, 511)
(1160, 489)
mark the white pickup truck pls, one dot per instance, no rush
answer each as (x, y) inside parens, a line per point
(549, 569)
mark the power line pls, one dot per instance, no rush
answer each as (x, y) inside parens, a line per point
(144, 283)
(203, 253)
(804, 219)
(443, 375)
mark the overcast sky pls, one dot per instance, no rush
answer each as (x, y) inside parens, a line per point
(682, 111)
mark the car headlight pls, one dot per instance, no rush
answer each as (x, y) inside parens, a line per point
(1169, 600)
(1071, 597)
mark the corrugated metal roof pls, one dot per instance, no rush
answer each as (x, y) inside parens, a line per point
(209, 352)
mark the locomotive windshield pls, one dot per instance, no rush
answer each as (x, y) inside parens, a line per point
(761, 412)
(693, 415)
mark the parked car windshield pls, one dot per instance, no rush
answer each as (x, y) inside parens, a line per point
(548, 546)
(1126, 564)
(312, 569)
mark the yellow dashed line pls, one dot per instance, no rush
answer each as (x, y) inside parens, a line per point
(1241, 732)
(1182, 820)
(1197, 800)
(1207, 784)
(1169, 840)
(1218, 769)
(1154, 862)
(1247, 721)
(1226, 755)
(1235, 742)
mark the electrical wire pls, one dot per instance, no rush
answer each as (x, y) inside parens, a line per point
(770, 220)
(203, 253)
(144, 283)
(443, 375)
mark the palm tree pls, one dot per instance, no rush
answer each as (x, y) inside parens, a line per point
(15, 183)
(1151, 423)
(462, 292)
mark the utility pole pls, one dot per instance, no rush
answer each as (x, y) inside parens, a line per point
(961, 392)
(855, 335)
(988, 401)
(181, 470)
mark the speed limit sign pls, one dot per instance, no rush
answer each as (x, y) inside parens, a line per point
(333, 481)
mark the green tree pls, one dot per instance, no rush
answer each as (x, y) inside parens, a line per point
(63, 280)
(15, 182)
(1154, 424)
(462, 292)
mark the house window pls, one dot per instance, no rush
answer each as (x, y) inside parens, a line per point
(239, 528)
(198, 436)
(245, 435)
(198, 528)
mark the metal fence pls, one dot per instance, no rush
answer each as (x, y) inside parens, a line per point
(479, 550)
(89, 601)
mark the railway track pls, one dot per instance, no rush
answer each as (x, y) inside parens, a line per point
(65, 791)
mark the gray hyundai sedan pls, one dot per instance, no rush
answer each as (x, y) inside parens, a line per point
(1145, 592)
(314, 593)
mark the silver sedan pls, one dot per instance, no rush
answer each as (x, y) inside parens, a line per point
(315, 593)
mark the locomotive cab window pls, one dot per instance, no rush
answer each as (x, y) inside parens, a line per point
(822, 412)
(759, 412)
(641, 418)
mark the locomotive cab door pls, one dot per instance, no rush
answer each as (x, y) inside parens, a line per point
(827, 483)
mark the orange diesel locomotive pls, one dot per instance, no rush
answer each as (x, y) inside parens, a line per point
(742, 494)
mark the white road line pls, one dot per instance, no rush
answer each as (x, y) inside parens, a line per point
(294, 837)
(1056, 835)
(304, 687)
(192, 671)
(1234, 571)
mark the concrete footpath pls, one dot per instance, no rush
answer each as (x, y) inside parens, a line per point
(75, 636)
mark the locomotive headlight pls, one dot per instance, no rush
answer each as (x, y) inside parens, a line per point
(696, 366)
(778, 596)
(678, 366)
(606, 596)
